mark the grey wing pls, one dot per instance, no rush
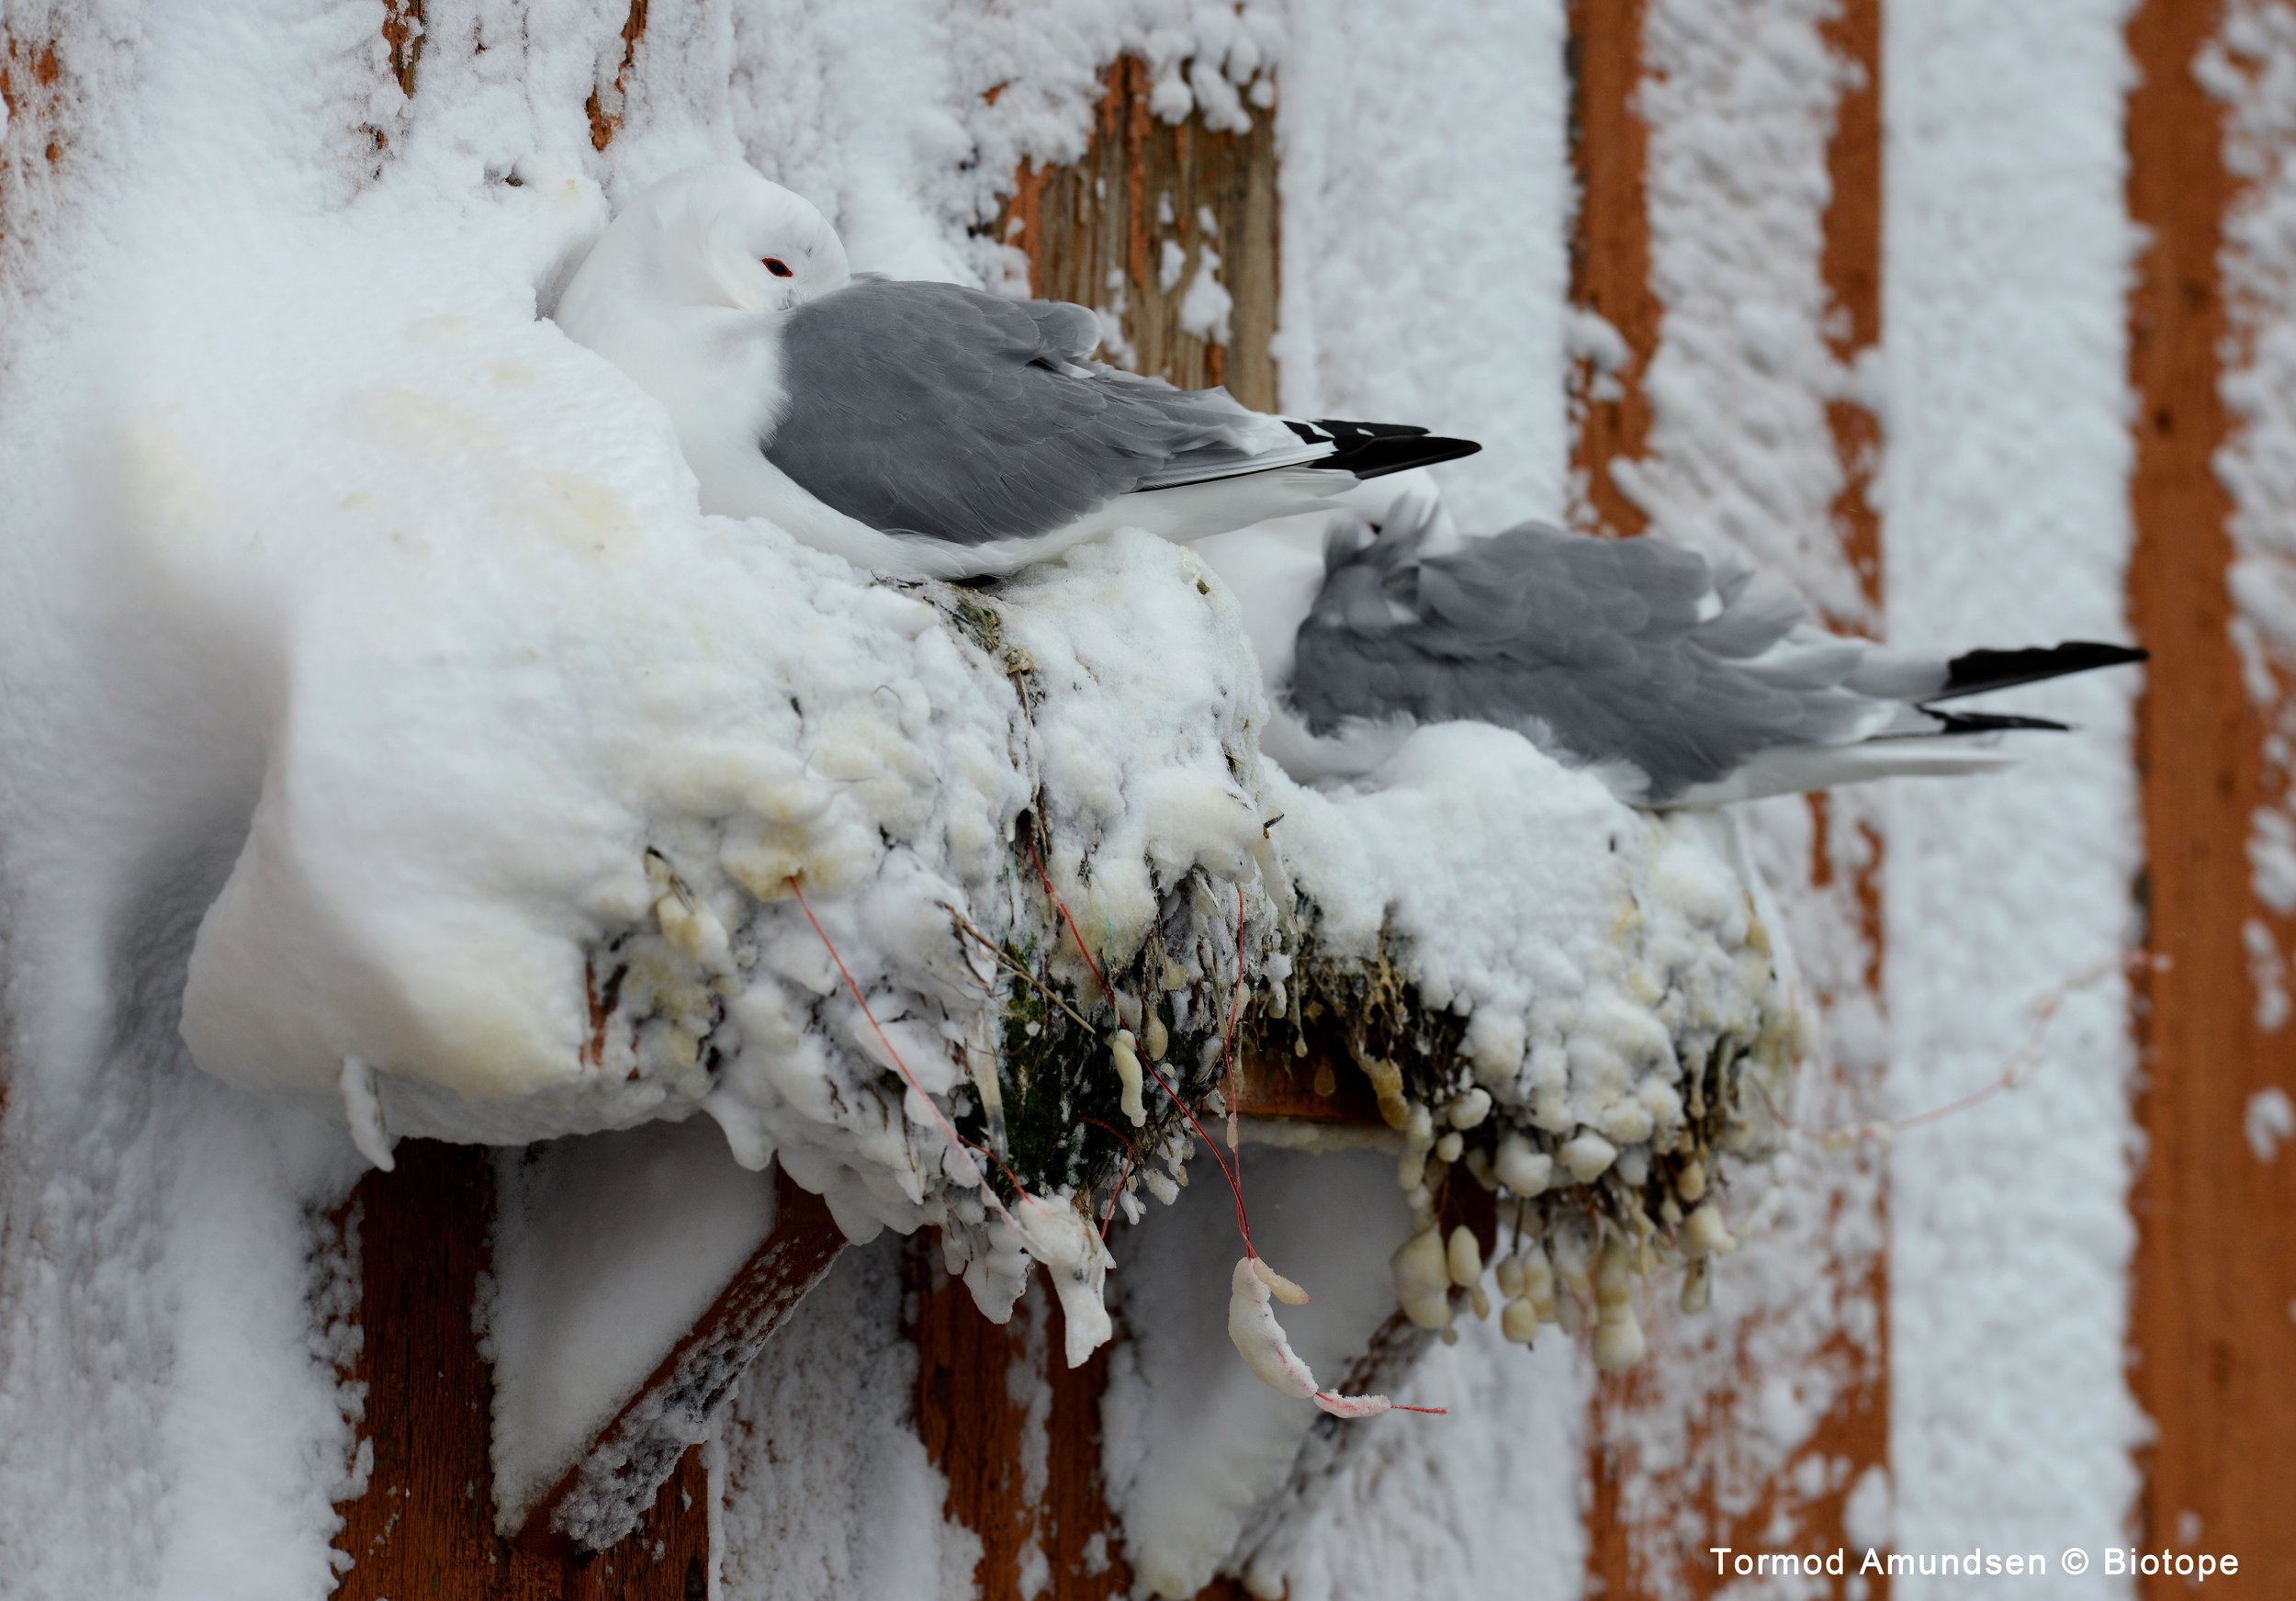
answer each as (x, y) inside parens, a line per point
(935, 410)
(1616, 650)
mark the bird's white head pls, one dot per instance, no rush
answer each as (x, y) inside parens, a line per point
(718, 236)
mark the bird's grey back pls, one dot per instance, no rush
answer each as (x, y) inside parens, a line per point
(958, 415)
(1597, 645)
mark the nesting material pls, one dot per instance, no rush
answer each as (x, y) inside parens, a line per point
(1591, 1057)
(1260, 1339)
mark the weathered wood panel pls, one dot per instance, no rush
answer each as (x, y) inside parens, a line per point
(1027, 1479)
(2216, 1252)
(1125, 229)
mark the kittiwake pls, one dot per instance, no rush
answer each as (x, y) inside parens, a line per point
(1681, 682)
(925, 430)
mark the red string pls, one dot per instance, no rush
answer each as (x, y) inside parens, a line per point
(946, 1126)
(1132, 1155)
(1243, 1224)
(1227, 1055)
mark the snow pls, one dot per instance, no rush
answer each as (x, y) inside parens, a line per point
(826, 1489)
(2251, 66)
(1448, 124)
(2269, 1121)
(1204, 309)
(2267, 970)
(585, 1303)
(1740, 461)
(1486, 1500)
(2011, 1421)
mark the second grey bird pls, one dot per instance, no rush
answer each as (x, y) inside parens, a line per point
(923, 429)
(1680, 682)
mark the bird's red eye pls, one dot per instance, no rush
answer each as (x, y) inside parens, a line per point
(777, 267)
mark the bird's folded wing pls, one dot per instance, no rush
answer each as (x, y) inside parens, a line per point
(947, 412)
(1617, 651)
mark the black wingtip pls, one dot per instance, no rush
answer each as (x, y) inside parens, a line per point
(1992, 722)
(1376, 449)
(1382, 457)
(1976, 672)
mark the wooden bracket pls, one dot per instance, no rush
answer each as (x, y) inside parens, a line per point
(600, 1498)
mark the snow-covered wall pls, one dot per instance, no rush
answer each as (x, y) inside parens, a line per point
(2009, 263)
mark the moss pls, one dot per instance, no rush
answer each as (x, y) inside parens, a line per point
(1064, 1124)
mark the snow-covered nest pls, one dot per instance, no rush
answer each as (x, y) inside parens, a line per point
(545, 760)
(552, 805)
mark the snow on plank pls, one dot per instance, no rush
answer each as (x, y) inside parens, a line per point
(1168, 230)
(425, 1523)
(635, 1275)
(2211, 150)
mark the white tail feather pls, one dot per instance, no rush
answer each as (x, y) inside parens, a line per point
(1792, 768)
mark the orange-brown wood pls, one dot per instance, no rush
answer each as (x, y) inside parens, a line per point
(1095, 231)
(2216, 1252)
(1610, 249)
(606, 103)
(424, 1527)
(402, 32)
(1276, 1084)
(1611, 259)
(701, 1369)
(973, 1383)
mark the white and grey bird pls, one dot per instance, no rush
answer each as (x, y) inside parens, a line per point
(1680, 682)
(924, 429)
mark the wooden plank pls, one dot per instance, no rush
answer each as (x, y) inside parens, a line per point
(1099, 231)
(1643, 1546)
(2216, 1255)
(424, 1527)
(976, 1384)
(639, 1449)
(1610, 249)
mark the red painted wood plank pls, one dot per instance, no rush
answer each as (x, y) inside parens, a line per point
(425, 1525)
(2216, 1250)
